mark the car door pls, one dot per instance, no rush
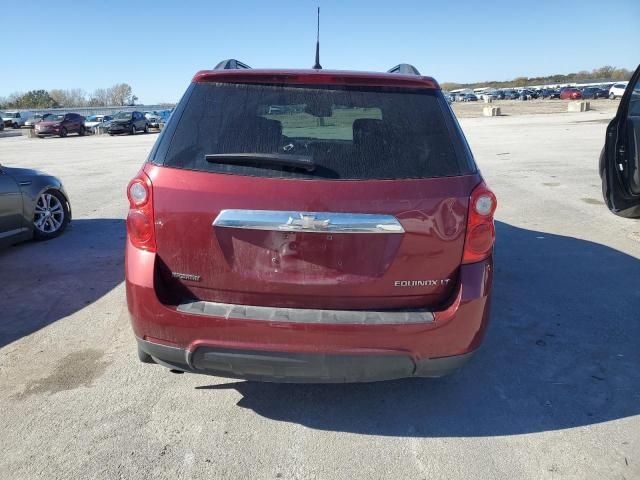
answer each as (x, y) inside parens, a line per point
(620, 158)
(11, 223)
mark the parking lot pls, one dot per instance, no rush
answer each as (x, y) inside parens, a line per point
(530, 107)
(553, 393)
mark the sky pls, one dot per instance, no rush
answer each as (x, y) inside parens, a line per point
(157, 46)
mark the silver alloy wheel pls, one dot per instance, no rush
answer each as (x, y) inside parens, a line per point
(49, 215)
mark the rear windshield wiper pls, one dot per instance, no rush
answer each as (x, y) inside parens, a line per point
(277, 159)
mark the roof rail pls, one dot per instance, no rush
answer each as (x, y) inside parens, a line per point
(404, 68)
(231, 64)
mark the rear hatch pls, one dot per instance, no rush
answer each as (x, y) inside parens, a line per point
(311, 196)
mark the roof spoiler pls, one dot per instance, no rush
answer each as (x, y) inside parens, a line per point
(232, 64)
(405, 69)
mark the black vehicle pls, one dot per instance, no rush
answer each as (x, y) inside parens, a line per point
(128, 122)
(498, 95)
(511, 95)
(555, 93)
(594, 92)
(32, 205)
(620, 157)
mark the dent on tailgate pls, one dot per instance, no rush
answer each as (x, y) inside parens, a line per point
(313, 270)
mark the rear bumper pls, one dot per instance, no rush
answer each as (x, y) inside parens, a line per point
(119, 129)
(287, 351)
(47, 131)
(291, 367)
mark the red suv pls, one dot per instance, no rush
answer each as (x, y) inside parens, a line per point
(60, 124)
(310, 226)
(570, 94)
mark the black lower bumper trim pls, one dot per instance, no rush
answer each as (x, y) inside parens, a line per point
(290, 367)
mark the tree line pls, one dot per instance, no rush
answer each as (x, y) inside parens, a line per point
(118, 95)
(603, 73)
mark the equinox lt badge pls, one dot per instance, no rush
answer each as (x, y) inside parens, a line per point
(422, 283)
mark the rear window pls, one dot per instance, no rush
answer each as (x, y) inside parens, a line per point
(347, 133)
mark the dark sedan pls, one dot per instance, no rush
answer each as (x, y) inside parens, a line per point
(128, 122)
(32, 205)
(594, 92)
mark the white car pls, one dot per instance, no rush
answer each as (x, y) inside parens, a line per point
(94, 120)
(16, 119)
(617, 90)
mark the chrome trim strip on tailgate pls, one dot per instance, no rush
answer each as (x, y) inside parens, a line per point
(319, 222)
(304, 315)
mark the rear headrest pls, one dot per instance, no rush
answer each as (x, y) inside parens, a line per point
(367, 131)
(365, 127)
(257, 134)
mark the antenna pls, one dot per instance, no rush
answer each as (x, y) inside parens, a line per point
(317, 66)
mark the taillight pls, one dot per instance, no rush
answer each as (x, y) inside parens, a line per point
(481, 233)
(140, 227)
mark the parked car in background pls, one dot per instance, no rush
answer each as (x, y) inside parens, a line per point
(488, 95)
(38, 117)
(32, 205)
(555, 93)
(93, 121)
(373, 261)
(544, 92)
(470, 97)
(448, 97)
(570, 93)
(617, 90)
(165, 114)
(128, 122)
(511, 94)
(60, 124)
(620, 157)
(1, 122)
(528, 94)
(103, 125)
(594, 92)
(153, 119)
(15, 119)
(498, 95)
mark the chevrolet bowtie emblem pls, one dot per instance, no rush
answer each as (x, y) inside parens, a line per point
(308, 221)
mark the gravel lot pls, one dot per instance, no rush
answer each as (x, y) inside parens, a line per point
(554, 393)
